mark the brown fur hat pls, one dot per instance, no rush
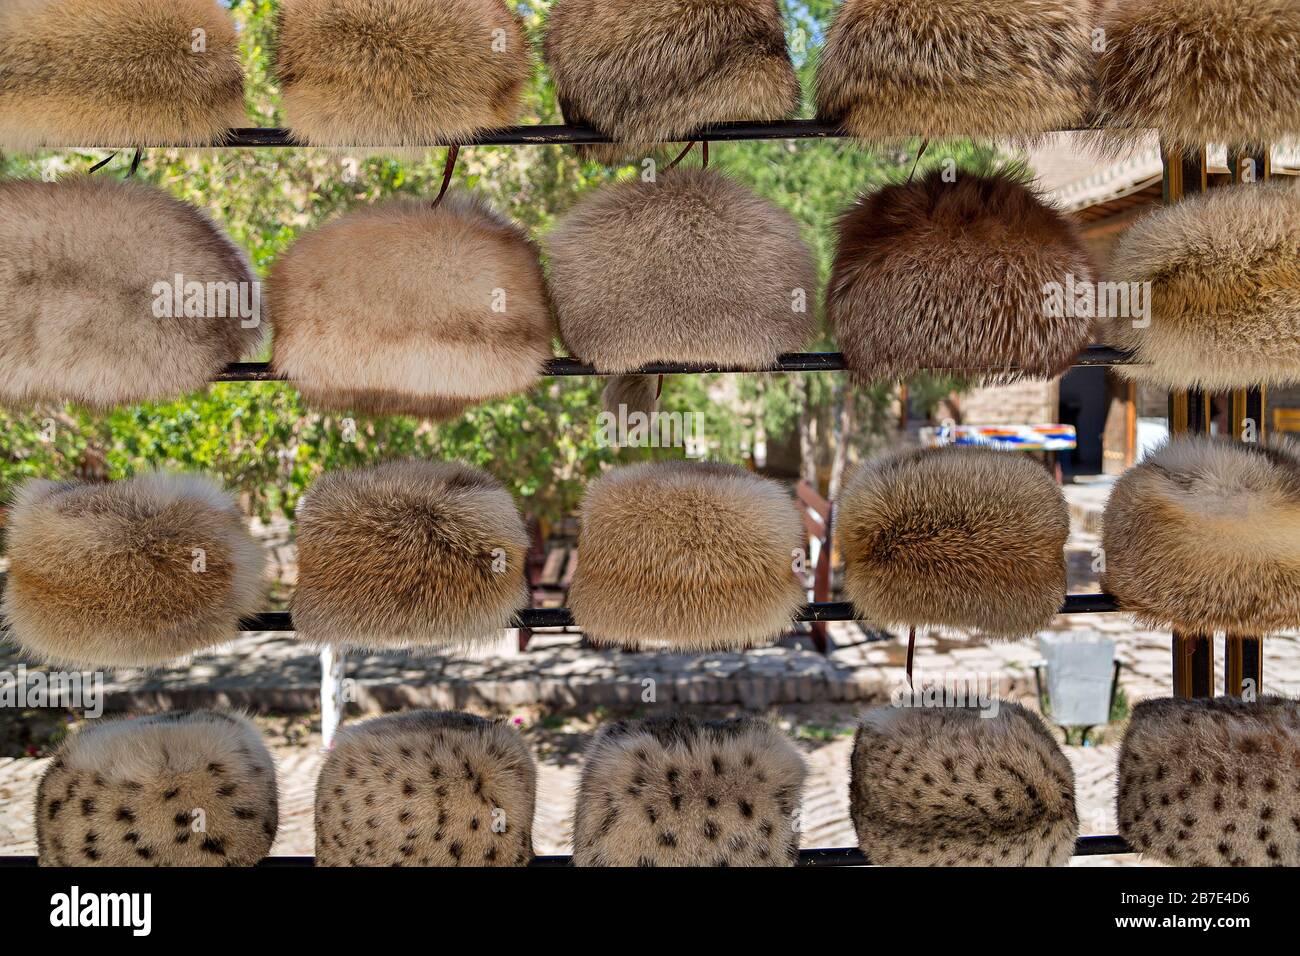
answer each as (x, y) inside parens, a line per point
(117, 73)
(644, 71)
(408, 553)
(426, 789)
(1224, 274)
(1198, 71)
(680, 792)
(79, 295)
(932, 274)
(1212, 782)
(696, 554)
(1204, 535)
(955, 537)
(406, 308)
(692, 267)
(130, 574)
(958, 786)
(400, 72)
(892, 69)
(174, 789)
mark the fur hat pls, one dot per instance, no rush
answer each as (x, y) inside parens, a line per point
(426, 789)
(893, 69)
(1212, 782)
(400, 72)
(80, 298)
(175, 789)
(404, 307)
(680, 792)
(696, 554)
(645, 71)
(1199, 71)
(692, 267)
(958, 786)
(128, 574)
(117, 73)
(408, 553)
(1224, 275)
(955, 537)
(932, 274)
(1204, 535)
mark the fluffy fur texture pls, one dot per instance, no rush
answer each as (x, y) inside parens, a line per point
(176, 789)
(955, 537)
(642, 71)
(635, 393)
(1199, 71)
(426, 789)
(932, 274)
(406, 554)
(1212, 782)
(894, 69)
(1204, 535)
(1224, 274)
(679, 792)
(690, 268)
(77, 294)
(951, 786)
(400, 72)
(129, 574)
(406, 308)
(117, 73)
(694, 554)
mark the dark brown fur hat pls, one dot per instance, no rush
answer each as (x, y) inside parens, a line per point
(129, 574)
(400, 72)
(1204, 534)
(426, 789)
(408, 553)
(958, 786)
(175, 789)
(681, 792)
(1200, 71)
(698, 555)
(932, 274)
(1224, 275)
(954, 537)
(893, 69)
(404, 308)
(644, 71)
(117, 73)
(1212, 782)
(79, 299)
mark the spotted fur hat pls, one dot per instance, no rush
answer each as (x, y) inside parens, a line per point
(175, 789)
(1200, 71)
(935, 274)
(692, 267)
(426, 789)
(893, 69)
(1223, 269)
(407, 308)
(680, 792)
(91, 314)
(1204, 534)
(960, 786)
(1212, 782)
(400, 72)
(646, 71)
(118, 73)
(955, 537)
(128, 574)
(406, 554)
(695, 554)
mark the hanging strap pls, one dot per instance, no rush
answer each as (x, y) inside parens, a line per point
(448, 168)
(919, 153)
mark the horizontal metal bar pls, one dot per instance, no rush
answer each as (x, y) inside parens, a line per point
(790, 362)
